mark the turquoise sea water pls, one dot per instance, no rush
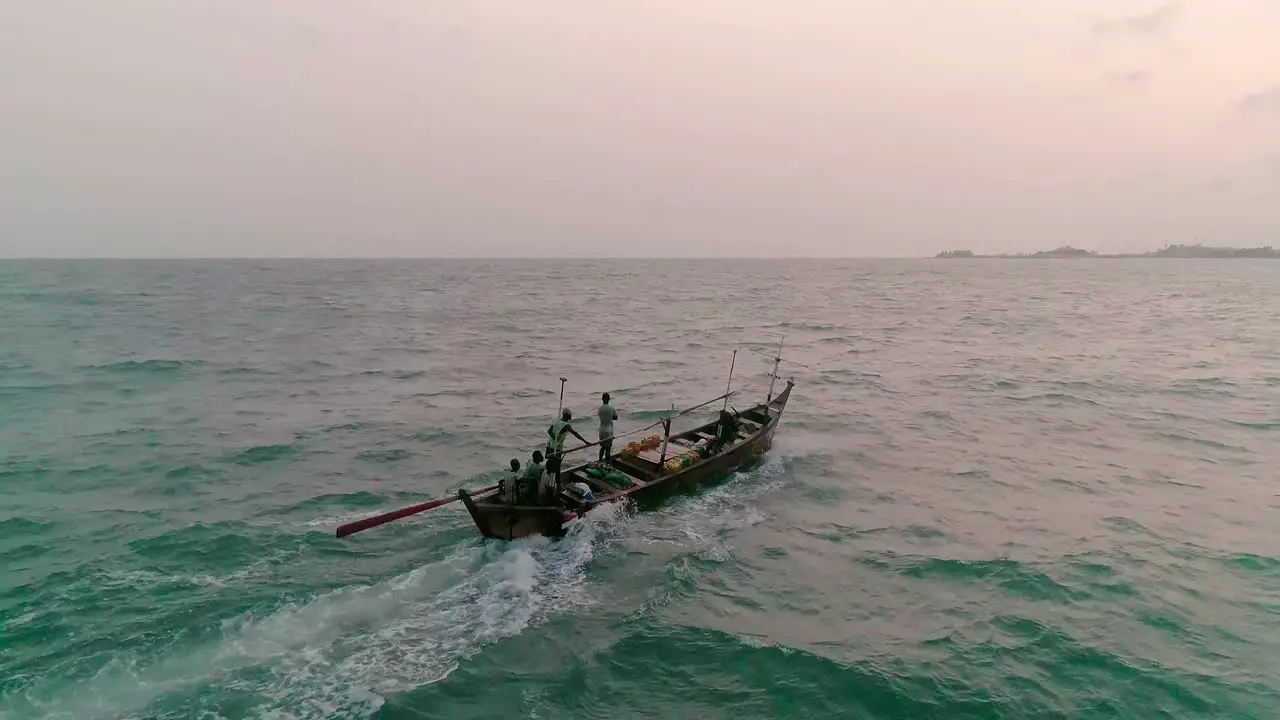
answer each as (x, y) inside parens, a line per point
(1002, 490)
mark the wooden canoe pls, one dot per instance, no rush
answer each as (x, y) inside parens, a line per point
(642, 474)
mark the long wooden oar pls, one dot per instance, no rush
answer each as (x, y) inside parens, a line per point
(376, 520)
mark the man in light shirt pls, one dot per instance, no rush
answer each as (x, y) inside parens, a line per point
(508, 486)
(531, 480)
(607, 415)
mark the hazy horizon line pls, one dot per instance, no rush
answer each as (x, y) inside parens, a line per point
(541, 260)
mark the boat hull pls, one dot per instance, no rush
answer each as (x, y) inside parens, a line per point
(512, 522)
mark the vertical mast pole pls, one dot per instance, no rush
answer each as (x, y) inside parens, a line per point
(773, 376)
(666, 435)
(729, 385)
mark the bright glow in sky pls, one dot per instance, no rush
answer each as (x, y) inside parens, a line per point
(666, 127)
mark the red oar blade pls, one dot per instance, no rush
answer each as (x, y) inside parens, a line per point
(376, 520)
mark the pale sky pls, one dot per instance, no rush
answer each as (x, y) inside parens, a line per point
(574, 128)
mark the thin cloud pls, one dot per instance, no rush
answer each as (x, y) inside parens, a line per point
(1267, 101)
(1272, 167)
(1134, 80)
(1219, 185)
(1144, 24)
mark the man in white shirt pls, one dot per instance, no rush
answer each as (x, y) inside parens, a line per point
(607, 415)
(508, 486)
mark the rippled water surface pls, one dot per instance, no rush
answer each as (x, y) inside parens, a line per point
(1015, 489)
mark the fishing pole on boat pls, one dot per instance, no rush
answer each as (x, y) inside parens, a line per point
(729, 385)
(775, 355)
(560, 407)
(376, 520)
(699, 406)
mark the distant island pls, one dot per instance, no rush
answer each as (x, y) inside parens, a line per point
(1168, 251)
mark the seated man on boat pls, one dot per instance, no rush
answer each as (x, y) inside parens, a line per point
(509, 485)
(549, 486)
(531, 480)
(726, 432)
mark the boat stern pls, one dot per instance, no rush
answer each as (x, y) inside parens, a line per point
(512, 522)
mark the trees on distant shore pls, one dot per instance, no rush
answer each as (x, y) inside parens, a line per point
(1168, 251)
(1201, 251)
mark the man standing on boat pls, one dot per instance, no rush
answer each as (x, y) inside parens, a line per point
(558, 431)
(607, 415)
